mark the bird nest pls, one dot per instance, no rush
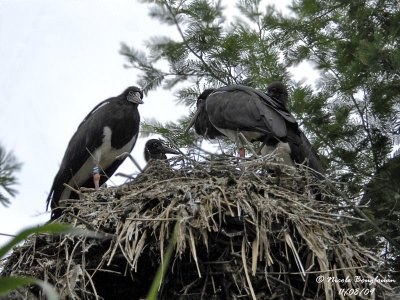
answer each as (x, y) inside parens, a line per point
(250, 229)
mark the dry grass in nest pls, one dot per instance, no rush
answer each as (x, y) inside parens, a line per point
(243, 232)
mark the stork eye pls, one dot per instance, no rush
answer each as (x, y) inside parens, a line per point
(130, 92)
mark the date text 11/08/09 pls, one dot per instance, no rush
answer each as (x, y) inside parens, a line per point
(356, 292)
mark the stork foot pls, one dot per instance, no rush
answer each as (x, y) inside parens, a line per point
(96, 177)
(242, 152)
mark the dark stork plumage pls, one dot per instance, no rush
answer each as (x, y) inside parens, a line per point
(156, 150)
(258, 116)
(96, 149)
(155, 154)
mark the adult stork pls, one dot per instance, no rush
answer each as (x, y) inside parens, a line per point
(258, 116)
(96, 149)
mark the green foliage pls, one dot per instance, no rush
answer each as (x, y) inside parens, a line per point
(10, 283)
(382, 194)
(8, 166)
(381, 204)
(165, 263)
(353, 45)
(351, 113)
(54, 228)
(171, 131)
(209, 52)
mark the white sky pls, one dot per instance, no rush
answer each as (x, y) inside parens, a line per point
(58, 59)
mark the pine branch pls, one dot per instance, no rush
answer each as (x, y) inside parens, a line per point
(198, 56)
(8, 166)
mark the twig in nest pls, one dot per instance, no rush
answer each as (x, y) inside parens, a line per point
(247, 143)
(238, 232)
(72, 189)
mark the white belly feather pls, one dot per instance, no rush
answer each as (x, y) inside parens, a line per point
(103, 157)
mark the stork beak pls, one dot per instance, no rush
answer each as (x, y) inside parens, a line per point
(168, 150)
(196, 114)
(135, 98)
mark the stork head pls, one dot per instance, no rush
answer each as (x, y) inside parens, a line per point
(200, 120)
(278, 91)
(155, 149)
(134, 94)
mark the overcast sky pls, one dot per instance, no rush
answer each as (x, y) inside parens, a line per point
(58, 59)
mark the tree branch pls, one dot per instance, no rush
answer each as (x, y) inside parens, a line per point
(200, 57)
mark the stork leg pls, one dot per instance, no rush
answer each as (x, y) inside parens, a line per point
(96, 177)
(242, 152)
(239, 144)
(244, 141)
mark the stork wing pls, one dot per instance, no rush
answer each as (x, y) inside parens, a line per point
(312, 156)
(202, 124)
(302, 151)
(77, 153)
(265, 99)
(236, 109)
(98, 106)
